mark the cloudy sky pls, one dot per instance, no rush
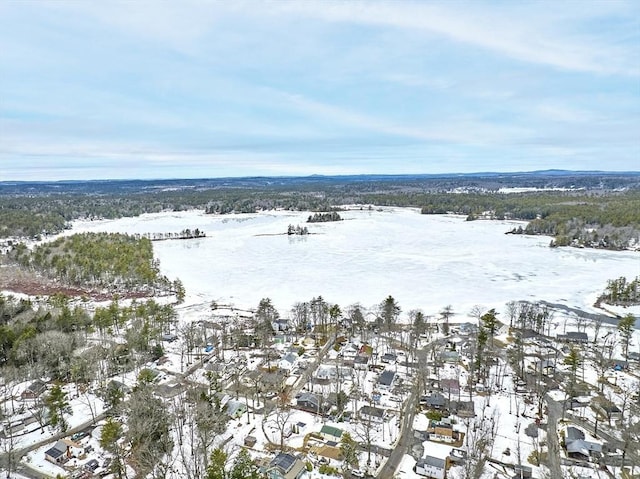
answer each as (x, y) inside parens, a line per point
(165, 89)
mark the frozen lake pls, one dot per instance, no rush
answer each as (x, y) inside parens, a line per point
(423, 261)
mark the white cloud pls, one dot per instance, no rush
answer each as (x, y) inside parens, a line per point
(515, 30)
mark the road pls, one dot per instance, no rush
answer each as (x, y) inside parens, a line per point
(554, 413)
(405, 441)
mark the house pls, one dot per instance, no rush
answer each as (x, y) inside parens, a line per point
(62, 451)
(285, 466)
(361, 361)
(442, 431)
(574, 337)
(58, 454)
(372, 413)
(309, 402)
(280, 324)
(434, 401)
(468, 328)
(611, 410)
(463, 409)
(450, 387)
(325, 373)
(115, 386)
(433, 467)
(578, 445)
(388, 358)
(288, 361)
(330, 433)
(451, 357)
(34, 390)
(235, 409)
(386, 379)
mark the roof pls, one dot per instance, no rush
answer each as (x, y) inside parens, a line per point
(577, 446)
(435, 399)
(36, 386)
(574, 434)
(331, 431)
(386, 378)
(361, 359)
(57, 450)
(431, 461)
(283, 461)
(234, 406)
(290, 357)
(372, 411)
(449, 384)
(308, 397)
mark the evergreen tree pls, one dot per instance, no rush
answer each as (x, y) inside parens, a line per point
(625, 328)
(57, 405)
(349, 450)
(217, 463)
(244, 467)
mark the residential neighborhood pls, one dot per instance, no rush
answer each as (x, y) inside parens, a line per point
(342, 400)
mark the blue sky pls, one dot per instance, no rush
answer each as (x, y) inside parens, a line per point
(162, 89)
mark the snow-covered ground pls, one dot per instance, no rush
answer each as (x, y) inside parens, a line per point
(424, 261)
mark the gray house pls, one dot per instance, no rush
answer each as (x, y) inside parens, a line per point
(386, 379)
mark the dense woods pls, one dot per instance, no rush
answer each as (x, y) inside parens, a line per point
(107, 260)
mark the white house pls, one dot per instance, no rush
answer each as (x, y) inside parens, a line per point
(578, 444)
(433, 467)
(288, 361)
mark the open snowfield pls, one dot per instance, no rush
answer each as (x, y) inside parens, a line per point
(424, 261)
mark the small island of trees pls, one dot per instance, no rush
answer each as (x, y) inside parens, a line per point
(297, 230)
(324, 217)
(622, 292)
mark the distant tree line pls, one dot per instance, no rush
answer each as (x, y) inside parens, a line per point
(601, 217)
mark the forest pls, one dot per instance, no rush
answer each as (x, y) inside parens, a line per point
(587, 209)
(101, 260)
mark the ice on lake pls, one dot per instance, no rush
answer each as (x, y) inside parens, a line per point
(424, 261)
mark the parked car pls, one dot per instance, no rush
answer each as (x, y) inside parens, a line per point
(91, 465)
(79, 435)
(357, 473)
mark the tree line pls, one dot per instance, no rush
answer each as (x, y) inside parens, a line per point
(602, 217)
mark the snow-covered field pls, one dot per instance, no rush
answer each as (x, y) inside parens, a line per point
(424, 261)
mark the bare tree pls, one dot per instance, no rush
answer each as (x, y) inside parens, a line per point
(479, 442)
(279, 420)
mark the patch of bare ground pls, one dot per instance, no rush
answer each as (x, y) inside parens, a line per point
(16, 279)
